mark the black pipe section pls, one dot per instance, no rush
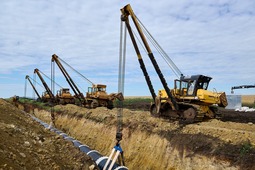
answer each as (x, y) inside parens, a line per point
(99, 159)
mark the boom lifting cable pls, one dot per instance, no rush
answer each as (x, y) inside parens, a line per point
(142, 45)
(79, 86)
(164, 55)
(25, 90)
(35, 82)
(50, 79)
(117, 148)
(52, 114)
(138, 39)
(27, 78)
(76, 71)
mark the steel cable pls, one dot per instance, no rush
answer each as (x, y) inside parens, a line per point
(76, 71)
(53, 91)
(25, 90)
(51, 79)
(163, 54)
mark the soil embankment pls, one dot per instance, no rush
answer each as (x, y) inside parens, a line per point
(24, 144)
(156, 143)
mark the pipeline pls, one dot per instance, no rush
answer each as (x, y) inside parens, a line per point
(99, 159)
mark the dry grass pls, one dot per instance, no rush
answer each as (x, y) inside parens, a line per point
(248, 98)
(145, 141)
(139, 146)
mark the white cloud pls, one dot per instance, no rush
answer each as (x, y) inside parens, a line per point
(208, 37)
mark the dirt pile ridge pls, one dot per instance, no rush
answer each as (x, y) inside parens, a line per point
(156, 143)
(24, 144)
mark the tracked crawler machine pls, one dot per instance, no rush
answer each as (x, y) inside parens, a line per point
(63, 95)
(189, 100)
(47, 96)
(96, 95)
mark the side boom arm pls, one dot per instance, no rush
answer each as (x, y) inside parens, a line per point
(44, 83)
(27, 77)
(126, 11)
(68, 78)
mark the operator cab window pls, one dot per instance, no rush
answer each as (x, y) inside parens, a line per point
(202, 85)
(184, 84)
(205, 85)
(191, 87)
(90, 90)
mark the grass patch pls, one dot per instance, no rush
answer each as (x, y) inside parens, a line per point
(130, 101)
(246, 148)
(37, 104)
(251, 105)
(136, 103)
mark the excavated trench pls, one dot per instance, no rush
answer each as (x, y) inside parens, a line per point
(101, 161)
(154, 143)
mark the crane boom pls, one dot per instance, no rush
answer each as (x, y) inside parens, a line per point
(28, 78)
(189, 100)
(69, 80)
(241, 87)
(161, 51)
(126, 11)
(90, 82)
(141, 62)
(44, 84)
(96, 95)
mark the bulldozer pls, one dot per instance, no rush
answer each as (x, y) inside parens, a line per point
(193, 98)
(64, 96)
(189, 100)
(96, 96)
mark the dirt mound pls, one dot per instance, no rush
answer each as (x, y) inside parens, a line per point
(24, 144)
(235, 116)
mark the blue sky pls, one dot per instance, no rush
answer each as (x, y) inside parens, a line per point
(214, 38)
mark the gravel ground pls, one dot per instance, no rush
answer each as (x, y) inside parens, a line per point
(24, 144)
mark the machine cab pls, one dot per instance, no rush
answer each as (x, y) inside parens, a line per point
(97, 88)
(45, 94)
(188, 86)
(64, 92)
